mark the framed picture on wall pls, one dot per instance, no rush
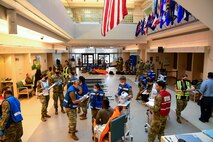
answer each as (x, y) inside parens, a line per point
(38, 59)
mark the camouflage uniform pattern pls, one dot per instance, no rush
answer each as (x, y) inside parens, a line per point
(127, 65)
(94, 113)
(119, 64)
(43, 99)
(146, 67)
(137, 71)
(180, 106)
(83, 105)
(158, 123)
(15, 130)
(141, 66)
(72, 116)
(58, 90)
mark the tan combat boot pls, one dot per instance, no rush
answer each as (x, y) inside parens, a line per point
(43, 118)
(47, 116)
(79, 110)
(178, 120)
(83, 117)
(62, 110)
(70, 131)
(74, 137)
(178, 117)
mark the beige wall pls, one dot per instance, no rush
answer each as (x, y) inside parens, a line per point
(125, 56)
(197, 43)
(65, 56)
(197, 66)
(158, 58)
(181, 64)
(57, 56)
(190, 40)
(208, 57)
(50, 61)
(20, 66)
(2, 70)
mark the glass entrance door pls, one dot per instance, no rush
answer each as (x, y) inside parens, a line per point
(87, 59)
(103, 58)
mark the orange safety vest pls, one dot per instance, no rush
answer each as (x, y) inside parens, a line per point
(115, 114)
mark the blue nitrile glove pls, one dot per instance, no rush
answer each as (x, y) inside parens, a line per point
(46, 87)
(1, 133)
(59, 84)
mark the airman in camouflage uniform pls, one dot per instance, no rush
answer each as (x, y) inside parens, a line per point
(141, 68)
(71, 103)
(182, 88)
(158, 123)
(14, 131)
(146, 67)
(120, 64)
(45, 97)
(127, 65)
(137, 71)
(58, 90)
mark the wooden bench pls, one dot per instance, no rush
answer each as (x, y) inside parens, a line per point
(22, 89)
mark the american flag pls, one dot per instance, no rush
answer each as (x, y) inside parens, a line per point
(114, 12)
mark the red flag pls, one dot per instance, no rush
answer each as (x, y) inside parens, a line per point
(114, 12)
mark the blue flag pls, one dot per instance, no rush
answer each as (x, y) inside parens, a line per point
(168, 13)
(173, 6)
(168, 18)
(142, 27)
(137, 32)
(162, 13)
(162, 20)
(180, 13)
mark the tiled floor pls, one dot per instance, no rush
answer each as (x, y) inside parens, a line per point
(55, 129)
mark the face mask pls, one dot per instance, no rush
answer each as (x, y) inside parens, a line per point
(95, 90)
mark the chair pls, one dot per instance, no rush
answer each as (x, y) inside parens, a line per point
(117, 129)
(21, 89)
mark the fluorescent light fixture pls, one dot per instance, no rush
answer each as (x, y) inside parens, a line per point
(27, 33)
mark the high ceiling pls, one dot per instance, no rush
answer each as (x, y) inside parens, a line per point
(91, 10)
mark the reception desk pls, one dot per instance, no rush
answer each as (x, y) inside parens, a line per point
(200, 135)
